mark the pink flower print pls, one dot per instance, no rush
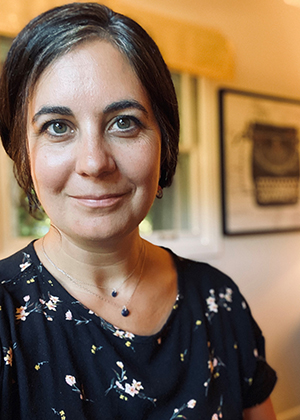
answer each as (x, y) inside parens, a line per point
(119, 385)
(69, 315)
(51, 306)
(70, 380)
(131, 390)
(212, 364)
(191, 404)
(176, 413)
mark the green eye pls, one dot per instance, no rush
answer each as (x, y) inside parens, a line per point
(59, 128)
(124, 123)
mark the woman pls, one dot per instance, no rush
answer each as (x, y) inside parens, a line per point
(97, 323)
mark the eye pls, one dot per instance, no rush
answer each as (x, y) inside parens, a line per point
(123, 123)
(57, 128)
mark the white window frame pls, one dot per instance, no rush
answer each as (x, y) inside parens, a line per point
(204, 238)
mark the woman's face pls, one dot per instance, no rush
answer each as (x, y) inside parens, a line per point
(94, 144)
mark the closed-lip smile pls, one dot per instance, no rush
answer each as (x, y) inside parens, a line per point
(98, 201)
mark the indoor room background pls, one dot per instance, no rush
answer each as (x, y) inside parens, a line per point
(245, 45)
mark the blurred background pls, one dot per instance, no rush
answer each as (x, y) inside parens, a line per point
(249, 45)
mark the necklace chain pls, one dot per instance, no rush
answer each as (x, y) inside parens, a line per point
(125, 311)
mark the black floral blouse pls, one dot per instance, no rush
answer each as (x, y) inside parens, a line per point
(59, 360)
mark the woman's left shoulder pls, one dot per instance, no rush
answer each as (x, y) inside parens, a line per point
(203, 274)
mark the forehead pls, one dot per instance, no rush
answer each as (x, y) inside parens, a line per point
(95, 69)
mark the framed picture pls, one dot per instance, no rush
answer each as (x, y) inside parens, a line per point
(260, 163)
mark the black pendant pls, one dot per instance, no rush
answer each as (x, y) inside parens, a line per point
(125, 311)
(114, 293)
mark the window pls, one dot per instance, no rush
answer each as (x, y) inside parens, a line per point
(186, 219)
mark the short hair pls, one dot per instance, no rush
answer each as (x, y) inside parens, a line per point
(54, 33)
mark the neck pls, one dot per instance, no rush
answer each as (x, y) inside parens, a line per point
(96, 264)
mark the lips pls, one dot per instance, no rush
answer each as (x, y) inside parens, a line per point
(98, 201)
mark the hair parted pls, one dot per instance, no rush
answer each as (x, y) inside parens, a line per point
(54, 33)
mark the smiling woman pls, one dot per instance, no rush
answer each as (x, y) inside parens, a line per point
(94, 152)
(126, 329)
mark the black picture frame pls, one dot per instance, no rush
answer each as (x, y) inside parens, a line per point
(260, 162)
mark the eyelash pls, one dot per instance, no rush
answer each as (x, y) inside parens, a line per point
(45, 128)
(137, 125)
(130, 118)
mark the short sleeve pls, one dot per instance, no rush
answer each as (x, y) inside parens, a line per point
(264, 377)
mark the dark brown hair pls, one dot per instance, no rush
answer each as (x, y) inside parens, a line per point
(54, 33)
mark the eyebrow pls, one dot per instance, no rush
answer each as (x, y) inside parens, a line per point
(125, 104)
(46, 110)
(113, 107)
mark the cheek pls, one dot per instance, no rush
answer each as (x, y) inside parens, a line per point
(48, 171)
(146, 167)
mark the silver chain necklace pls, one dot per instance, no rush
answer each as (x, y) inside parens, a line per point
(125, 311)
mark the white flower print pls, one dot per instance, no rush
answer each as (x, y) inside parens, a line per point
(26, 262)
(25, 265)
(120, 365)
(191, 404)
(222, 300)
(71, 381)
(69, 317)
(132, 389)
(176, 413)
(41, 306)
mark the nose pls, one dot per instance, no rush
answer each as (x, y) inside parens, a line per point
(94, 157)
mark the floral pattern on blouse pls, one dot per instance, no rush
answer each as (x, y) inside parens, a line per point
(123, 388)
(8, 358)
(71, 381)
(221, 300)
(42, 306)
(214, 365)
(177, 412)
(104, 356)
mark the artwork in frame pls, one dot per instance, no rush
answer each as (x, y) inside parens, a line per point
(260, 162)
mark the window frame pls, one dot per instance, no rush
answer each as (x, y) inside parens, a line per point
(204, 238)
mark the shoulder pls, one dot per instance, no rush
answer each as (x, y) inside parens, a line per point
(219, 296)
(16, 265)
(203, 275)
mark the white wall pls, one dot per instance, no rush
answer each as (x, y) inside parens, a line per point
(266, 38)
